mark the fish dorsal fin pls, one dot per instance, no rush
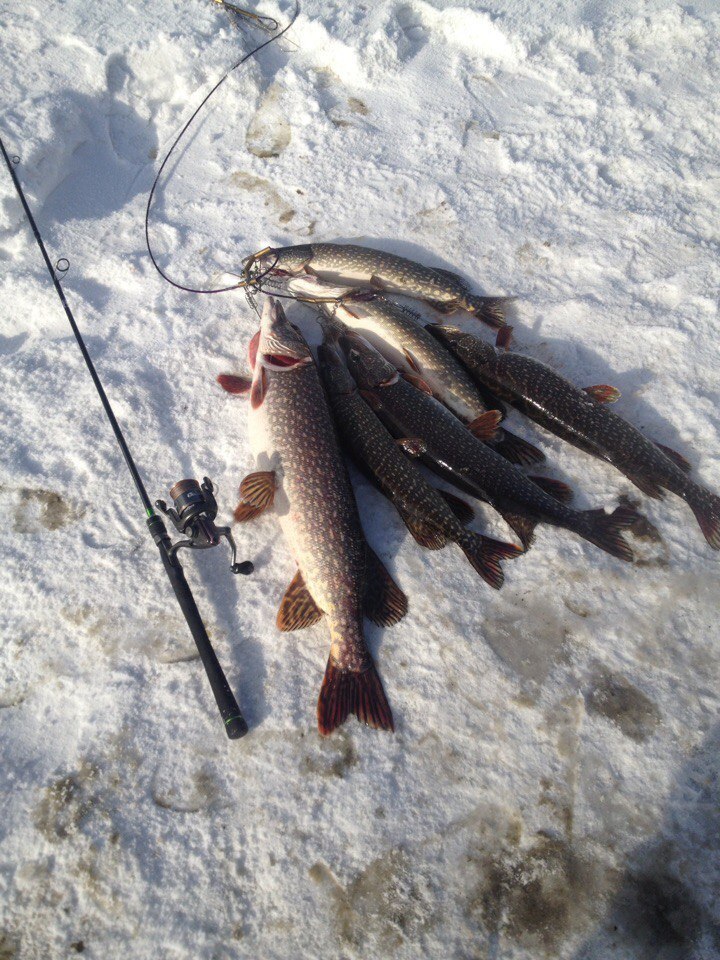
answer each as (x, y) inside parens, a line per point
(523, 526)
(385, 603)
(233, 383)
(423, 533)
(412, 446)
(444, 306)
(504, 338)
(417, 382)
(485, 426)
(259, 388)
(603, 393)
(258, 489)
(297, 607)
(677, 458)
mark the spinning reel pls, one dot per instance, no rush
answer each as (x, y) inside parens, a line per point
(193, 515)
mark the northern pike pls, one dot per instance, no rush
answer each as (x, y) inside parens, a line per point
(448, 445)
(351, 265)
(581, 417)
(300, 469)
(423, 508)
(399, 335)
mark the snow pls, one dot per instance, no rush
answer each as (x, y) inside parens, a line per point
(552, 787)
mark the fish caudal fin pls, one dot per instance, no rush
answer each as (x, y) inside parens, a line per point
(517, 450)
(706, 507)
(351, 691)
(605, 530)
(491, 310)
(485, 556)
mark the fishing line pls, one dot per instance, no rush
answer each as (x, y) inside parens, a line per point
(240, 62)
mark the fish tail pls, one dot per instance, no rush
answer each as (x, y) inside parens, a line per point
(352, 691)
(485, 556)
(605, 530)
(491, 310)
(706, 507)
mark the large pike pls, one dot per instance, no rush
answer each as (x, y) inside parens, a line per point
(424, 510)
(348, 264)
(581, 417)
(301, 470)
(457, 453)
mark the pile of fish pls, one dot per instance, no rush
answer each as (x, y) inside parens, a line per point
(395, 392)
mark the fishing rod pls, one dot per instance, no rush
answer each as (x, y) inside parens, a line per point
(193, 512)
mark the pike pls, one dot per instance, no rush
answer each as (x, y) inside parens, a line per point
(302, 472)
(348, 264)
(426, 513)
(581, 417)
(399, 335)
(458, 454)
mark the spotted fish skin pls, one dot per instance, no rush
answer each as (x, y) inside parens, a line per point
(576, 416)
(409, 412)
(357, 266)
(422, 506)
(292, 434)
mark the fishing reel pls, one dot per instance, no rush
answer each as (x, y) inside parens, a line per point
(193, 515)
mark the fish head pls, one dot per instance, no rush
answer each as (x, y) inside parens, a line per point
(281, 346)
(468, 348)
(369, 368)
(334, 371)
(280, 261)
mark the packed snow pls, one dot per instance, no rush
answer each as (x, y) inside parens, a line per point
(552, 786)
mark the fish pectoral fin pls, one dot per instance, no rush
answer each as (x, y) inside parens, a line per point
(649, 487)
(258, 489)
(412, 446)
(246, 511)
(377, 283)
(555, 488)
(424, 533)
(603, 393)
(232, 383)
(677, 458)
(384, 602)
(486, 425)
(371, 399)
(258, 389)
(412, 360)
(307, 269)
(416, 382)
(462, 510)
(297, 608)
(504, 338)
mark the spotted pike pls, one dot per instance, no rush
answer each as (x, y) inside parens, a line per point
(355, 266)
(448, 445)
(399, 335)
(582, 418)
(425, 511)
(301, 470)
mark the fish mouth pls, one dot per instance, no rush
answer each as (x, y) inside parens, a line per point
(281, 345)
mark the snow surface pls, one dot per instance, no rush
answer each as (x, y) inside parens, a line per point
(552, 787)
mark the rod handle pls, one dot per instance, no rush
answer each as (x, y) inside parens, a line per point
(235, 725)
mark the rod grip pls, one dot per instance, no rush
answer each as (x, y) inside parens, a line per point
(235, 725)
